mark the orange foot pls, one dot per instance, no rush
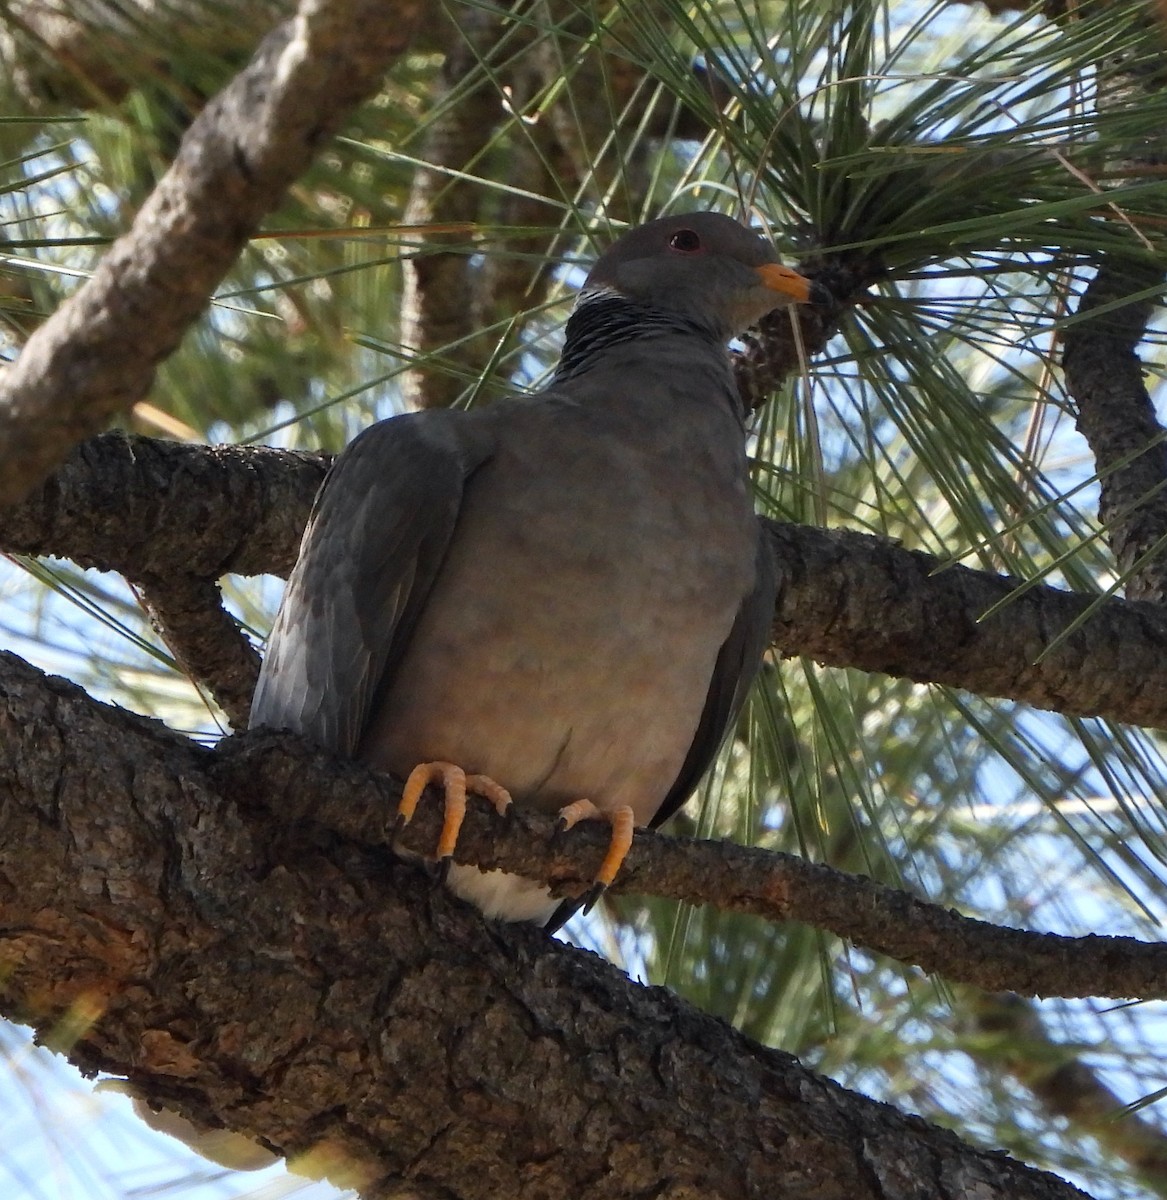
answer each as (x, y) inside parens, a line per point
(622, 822)
(455, 784)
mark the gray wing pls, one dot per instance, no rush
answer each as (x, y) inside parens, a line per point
(737, 664)
(375, 541)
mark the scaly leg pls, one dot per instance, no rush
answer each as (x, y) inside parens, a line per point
(455, 783)
(622, 821)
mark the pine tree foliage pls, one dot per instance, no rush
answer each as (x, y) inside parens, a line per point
(966, 173)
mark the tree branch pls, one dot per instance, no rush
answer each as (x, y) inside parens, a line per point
(294, 781)
(97, 354)
(273, 979)
(148, 507)
(188, 614)
(140, 506)
(848, 599)
(443, 301)
(1117, 419)
(288, 776)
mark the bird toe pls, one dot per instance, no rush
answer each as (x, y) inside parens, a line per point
(622, 821)
(455, 784)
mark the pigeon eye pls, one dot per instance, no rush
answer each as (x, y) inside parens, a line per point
(685, 240)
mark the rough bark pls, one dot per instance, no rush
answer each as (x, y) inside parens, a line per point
(205, 639)
(1117, 418)
(294, 781)
(271, 977)
(149, 507)
(850, 599)
(1103, 373)
(97, 354)
(289, 777)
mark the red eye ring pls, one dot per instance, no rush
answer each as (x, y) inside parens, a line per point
(686, 241)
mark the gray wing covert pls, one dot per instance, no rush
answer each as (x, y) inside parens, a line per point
(375, 541)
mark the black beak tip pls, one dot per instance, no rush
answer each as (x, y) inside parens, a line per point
(819, 294)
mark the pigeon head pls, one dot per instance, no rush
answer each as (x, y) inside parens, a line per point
(703, 266)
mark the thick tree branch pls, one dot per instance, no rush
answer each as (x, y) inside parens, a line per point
(97, 354)
(188, 614)
(173, 518)
(284, 775)
(267, 977)
(148, 507)
(1117, 419)
(151, 509)
(851, 600)
(288, 776)
(1103, 373)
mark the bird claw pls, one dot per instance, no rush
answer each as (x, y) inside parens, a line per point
(622, 822)
(455, 783)
(488, 789)
(592, 897)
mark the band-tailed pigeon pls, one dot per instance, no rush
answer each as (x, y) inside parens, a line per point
(564, 595)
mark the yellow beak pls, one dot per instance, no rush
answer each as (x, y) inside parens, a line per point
(782, 279)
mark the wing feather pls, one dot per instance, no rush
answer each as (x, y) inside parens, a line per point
(375, 541)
